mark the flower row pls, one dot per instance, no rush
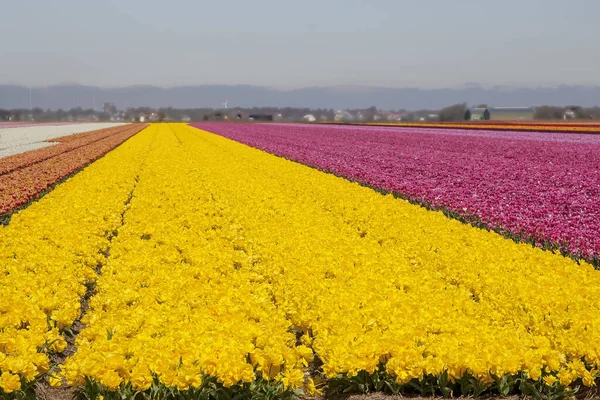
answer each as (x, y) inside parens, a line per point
(544, 189)
(23, 184)
(90, 135)
(18, 161)
(19, 139)
(171, 302)
(47, 255)
(499, 126)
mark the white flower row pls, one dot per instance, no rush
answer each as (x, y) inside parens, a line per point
(24, 138)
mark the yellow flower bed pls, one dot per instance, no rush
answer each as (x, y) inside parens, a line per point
(233, 264)
(171, 301)
(47, 254)
(377, 279)
(226, 250)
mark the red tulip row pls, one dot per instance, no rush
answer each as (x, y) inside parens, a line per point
(24, 184)
(17, 161)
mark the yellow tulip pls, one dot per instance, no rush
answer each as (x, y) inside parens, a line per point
(9, 382)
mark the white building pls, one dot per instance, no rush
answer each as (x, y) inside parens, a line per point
(309, 118)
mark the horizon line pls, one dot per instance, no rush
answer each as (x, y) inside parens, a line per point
(464, 86)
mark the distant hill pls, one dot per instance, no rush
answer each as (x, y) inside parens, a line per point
(68, 96)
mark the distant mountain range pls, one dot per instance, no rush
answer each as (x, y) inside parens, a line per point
(338, 97)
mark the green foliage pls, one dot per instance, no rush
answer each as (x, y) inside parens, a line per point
(454, 112)
(442, 385)
(210, 389)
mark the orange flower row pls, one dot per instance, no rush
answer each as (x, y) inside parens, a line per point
(83, 135)
(66, 144)
(24, 184)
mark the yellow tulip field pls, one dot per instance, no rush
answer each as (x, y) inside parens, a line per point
(198, 267)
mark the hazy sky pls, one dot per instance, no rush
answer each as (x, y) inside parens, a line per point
(278, 43)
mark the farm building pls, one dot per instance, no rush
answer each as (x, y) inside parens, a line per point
(500, 113)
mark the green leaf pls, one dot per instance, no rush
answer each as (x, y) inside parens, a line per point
(528, 389)
(446, 392)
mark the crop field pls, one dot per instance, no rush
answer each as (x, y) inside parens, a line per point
(262, 261)
(17, 138)
(24, 176)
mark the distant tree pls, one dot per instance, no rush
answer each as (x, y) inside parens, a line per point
(482, 106)
(409, 117)
(454, 112)
(549, 112)
(591, 113)
(369, 113)
(580, 112)
(76, 112)
(61, 115)
(109, 108)
(18, 115)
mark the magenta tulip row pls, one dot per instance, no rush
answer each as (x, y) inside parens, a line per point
(540, 187)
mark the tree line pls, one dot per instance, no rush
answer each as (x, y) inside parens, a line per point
(455, 112)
